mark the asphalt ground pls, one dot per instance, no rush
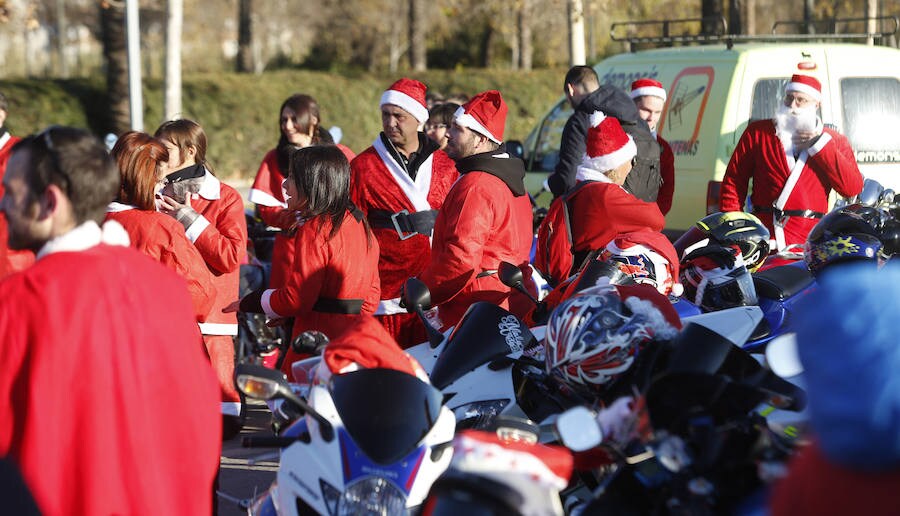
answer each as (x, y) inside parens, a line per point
(245, 473)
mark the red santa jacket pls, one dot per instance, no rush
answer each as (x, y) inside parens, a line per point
(816, 486)
(481, 223)
(336, 280)
(667, 171)
(220, 234)
(598, 212)
(10, 260)
(378, 182)
(107, 401)
(268, 195)
(162, 238)
(760, 156)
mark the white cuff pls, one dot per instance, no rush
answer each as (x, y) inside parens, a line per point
(823, 140)
(266, 302)
(390, 307)
(193, 231)
(218, 328)
(264, 199)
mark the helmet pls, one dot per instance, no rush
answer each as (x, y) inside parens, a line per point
(715, 278)
(890, 237)
(841, 236)
(594, 336)
(868, 213)
(646, 256)
(729, 228)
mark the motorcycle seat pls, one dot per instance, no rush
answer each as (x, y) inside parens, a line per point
(782, 282)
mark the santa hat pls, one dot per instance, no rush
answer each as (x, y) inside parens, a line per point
(805, 84)
(642, 87)
(608, 146)
(647, 301)
(658, 249)
(409, 95)
(484, 454)
(485, 114)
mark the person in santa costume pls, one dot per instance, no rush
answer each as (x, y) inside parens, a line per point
(598, 208)
(141, 160)
(486, 218)
(212, 214)
(650, 98)
(337, 278)
(11, 260)
(399, 183)
(107, 402)
(794, 163)
(300, 124)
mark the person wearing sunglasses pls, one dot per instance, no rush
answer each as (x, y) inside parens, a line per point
(107, 402)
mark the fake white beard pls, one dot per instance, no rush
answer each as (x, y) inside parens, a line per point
(788, 121)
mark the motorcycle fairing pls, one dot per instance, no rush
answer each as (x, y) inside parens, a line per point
(357, 465)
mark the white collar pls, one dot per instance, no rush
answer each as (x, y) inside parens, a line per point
(589, 174)
(85, 236)
(211, 188)
(116, 207)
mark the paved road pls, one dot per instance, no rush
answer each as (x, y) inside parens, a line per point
(240, 476)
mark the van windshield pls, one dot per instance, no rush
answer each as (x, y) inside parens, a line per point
(871, 115)
(544, 143)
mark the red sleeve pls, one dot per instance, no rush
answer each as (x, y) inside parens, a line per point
(185, 259)
(468, 219)
(307, 276)
(223, 243)
(834, 162)
(553, 256)
(277, 217)
(667, 170)
(737, 175)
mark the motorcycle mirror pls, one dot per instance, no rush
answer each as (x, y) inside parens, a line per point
(887, 196)
(262, 383)
(417, 297)
(511, 276)
(871, 192)
(310, 343)
(578, 429)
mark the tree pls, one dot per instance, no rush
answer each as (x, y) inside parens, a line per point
(244, 62)
(112, 26)
(712, 12)
(523, 26)
(172, 103)
(417, 31)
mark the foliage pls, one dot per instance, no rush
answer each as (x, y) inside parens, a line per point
(240, 112)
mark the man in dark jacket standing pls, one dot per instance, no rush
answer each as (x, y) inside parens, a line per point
(586, 95)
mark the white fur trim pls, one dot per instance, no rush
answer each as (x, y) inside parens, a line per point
(661, 327)
(466, 120)
(585, 173)
(85, 236)
(804, 88)
(653, 91)
(390, 307)
(4, 139)
(218, 328)
(609, 162)
(211, 189)
(494, 461)
(196, 228)
(416, 190)
(264, 199)
(596, 118)
(117, 207)
(823, 140)
(266, 302)
(406, 103)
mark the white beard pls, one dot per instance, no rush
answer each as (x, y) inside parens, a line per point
(788, 121)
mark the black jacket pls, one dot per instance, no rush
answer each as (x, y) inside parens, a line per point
(616, 103)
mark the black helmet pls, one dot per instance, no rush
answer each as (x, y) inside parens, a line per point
(715, 278)
(738, 228)
(890, 237)
(868, 213)
(841, 236)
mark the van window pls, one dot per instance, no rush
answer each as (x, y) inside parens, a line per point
(545, 150)
(767, 96)
(871, 109)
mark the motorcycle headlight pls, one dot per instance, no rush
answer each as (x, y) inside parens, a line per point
(372, 496)
(478, 414)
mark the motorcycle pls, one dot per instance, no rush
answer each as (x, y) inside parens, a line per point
(371, 441)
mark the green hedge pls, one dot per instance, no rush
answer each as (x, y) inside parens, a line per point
(239, 112)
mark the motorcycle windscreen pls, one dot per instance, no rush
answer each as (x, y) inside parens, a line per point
(485, 332)
(386, 412)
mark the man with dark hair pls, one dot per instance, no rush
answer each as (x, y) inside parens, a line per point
(107, 402)
(585, 93)
(399, 183)
(10, 260)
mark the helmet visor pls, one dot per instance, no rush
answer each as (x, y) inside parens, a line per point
(733, 289)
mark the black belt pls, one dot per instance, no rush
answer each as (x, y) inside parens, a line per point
(776, 213)
(330, 305)
(405, 223)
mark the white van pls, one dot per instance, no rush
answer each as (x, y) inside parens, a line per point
(715, 90)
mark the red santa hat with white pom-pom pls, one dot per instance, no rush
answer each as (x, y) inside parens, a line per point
(805, 84)
(408, 95)
(608, 145)
(642, 87)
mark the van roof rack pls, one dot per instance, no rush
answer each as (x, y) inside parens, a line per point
(714, 29)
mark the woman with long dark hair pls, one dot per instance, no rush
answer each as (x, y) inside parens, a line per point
(300, 126)
(141, 159)
(337, 279)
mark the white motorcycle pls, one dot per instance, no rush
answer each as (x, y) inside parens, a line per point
(371, 441)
